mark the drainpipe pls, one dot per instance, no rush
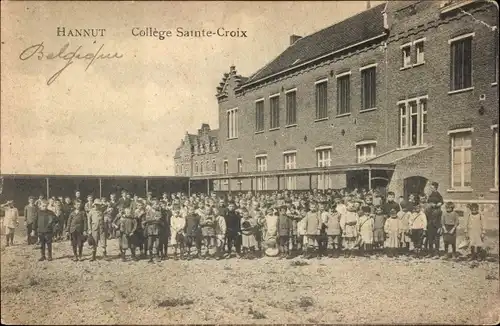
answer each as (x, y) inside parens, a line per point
(386, 27)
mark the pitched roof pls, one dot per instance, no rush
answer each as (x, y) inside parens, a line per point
(363, 26)
(396, 155)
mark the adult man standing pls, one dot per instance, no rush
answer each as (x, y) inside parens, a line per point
(434, 196)
(96, 228)
(43, 225)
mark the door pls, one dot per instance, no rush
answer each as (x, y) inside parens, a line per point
(414, 185)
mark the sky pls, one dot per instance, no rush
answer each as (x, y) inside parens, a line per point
(127, 115)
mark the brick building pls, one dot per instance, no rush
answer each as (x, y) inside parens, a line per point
(197, 154)
(394, 97)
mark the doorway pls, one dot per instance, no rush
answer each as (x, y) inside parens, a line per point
(414, 185)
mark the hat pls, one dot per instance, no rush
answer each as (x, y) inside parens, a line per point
(97, 202)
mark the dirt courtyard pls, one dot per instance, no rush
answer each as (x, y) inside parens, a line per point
(356, 290)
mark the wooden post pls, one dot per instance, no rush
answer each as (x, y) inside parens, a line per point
(147, 187)
(100, 188)
(310, 181)
(208, 187)
(278, 177)
(189, 188)
(229, 185)
(369, 179)
(47, 185)
(251, 185)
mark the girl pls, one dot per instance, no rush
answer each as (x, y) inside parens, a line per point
(365, 229)
(404, 218)
(348, 223)
(378, 227)
(474, 230)
(392, 228)
(177, 225)
(247, 234)
(301, 231)
(417, 226)
(450, 224)
(271, 228)
(260, 222)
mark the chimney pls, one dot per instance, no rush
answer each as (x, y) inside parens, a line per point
(368, 5)
(294, 38)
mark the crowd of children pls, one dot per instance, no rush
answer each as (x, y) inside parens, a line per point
(285, 224)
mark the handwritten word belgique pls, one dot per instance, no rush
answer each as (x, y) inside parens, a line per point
(38, 51)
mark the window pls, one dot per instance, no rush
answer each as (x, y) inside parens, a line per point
(261, 162)
(368, 88)
(207, 167)
(419, 52)
(274, 103)
(290, 160)
(291, 107)
(195, 167)
(232, 123)
(321, 99)
(496, 55)
(406, 56)
(180, 169)
(240, 165)
(323, 157)
(495, 154)
(201, 167)
(461, 160)
(186, 170)
(214, 166)
(226, 167)
(365, 151)
(413, 122)
(343, 94)
(461, 63)
(259, 115)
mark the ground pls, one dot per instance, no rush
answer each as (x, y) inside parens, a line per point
(356, 290)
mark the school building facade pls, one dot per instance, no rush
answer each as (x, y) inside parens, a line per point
(395, 97)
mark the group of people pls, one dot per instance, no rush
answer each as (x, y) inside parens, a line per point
(285, 224)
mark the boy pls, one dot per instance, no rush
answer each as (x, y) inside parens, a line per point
(192, 231)
(177, 226)
(312, 225)
(434, 224)
(348, 223)
(96, 228)
(127, 225)
(10, 221)
(450, 224)
(220, 232)
(404, 238)
(152, 225)
(285, 226)
(333, 231)
(43, 225)
(29, 215)
(390, 204)
(76, 229)
(417, 225)
(378, 227)
(233, 227)
(365, 230)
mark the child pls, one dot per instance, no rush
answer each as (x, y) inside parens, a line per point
(271, 228)
(434, 224)
(207, 229)
(301, 231)
(474, 230)
(127, 226)
(450, 224)
(390, 204)
(348, 223)
(312, 226)
(417, 226)
(60, 220)
(260, 223)
(404, 238)
(43, 225)
(177, 225)
(285, 226)
(392, 229)
(378, 227)
(247, 234)
(220, 232)
(10, 221)
(365, 229)
(333, 231)
(29, 214)
(323, 238)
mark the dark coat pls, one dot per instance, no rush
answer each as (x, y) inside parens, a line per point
(44, 221)
(233, 222)
(77, 221)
